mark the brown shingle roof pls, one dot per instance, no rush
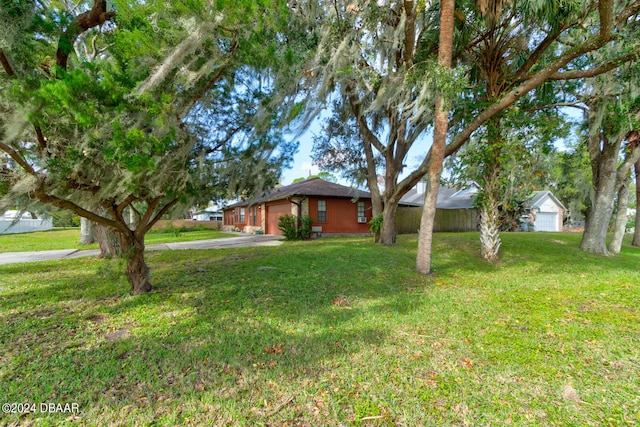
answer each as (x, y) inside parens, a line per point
(314, 187)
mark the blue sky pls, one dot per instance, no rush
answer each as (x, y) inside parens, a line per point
(303, 165)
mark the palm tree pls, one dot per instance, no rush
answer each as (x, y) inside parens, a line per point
(441, 124)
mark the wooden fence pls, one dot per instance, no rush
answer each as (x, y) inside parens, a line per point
(408, 220)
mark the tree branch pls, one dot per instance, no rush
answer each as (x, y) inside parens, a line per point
(629, 161)
(42, 142)
(605, 11)
(6, 64)
(66, 204)
(409, 33)
(15, 155)
(581, 74)
(362, 124)
(159, 215)
(95, 17)
(129, 199)
(216, 77)
(558, 104)
(151, 206)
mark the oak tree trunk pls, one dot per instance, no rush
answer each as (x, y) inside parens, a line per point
(388, 233)
(604, 166)
(87, 231)
(137, 269)
(594, 238)
(636, 231)
(109, 241)
(621, 218)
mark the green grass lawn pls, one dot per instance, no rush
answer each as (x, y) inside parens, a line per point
(68, 239)
(337, 331)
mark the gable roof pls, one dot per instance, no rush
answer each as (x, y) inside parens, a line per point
(539, 197)
(448, 197)
(314, 187)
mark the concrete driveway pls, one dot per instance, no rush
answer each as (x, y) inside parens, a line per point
(242, 241)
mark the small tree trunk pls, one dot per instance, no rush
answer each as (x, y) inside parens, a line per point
(636, 231)
(490, 228)
(137, 269)
(388, 234)
(621, 218)
(87, 232)
(427, 221)
(441, 125)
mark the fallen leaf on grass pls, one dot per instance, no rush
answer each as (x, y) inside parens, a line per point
(570, 393)
(341, 301)
(467, 363)
(274, 349)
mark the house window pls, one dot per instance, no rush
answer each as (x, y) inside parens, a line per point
(361, 210)
(322, 211)
(241, 215)
(253, 215)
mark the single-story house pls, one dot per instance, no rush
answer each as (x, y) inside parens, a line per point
(211, 213)
(455, 210)
(334, 208)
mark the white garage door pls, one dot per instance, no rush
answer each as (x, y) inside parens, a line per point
(546, 221)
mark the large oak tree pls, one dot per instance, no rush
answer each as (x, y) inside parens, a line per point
(137, 105)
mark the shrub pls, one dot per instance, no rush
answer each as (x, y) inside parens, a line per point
(375, 224)
(288, 224)
(304, 232)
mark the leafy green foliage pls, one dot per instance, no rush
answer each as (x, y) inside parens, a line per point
(288, 224)
(304, 231)
(110, 109)
(291, 230)
(375, 224)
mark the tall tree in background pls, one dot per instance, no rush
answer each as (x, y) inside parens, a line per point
(528, 161)
(445, 52)
(338, 148)
(108, 107)
(614, 111)
(635, 136)
(378, 60)
(366, 58)
(519, 48)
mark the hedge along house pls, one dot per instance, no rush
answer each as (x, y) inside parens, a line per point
(334, 208)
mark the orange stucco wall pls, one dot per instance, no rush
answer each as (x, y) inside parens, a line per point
(342, 215)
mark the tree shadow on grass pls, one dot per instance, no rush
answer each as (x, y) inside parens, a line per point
(218, 326)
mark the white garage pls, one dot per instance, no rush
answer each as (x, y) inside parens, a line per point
(548, 211)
